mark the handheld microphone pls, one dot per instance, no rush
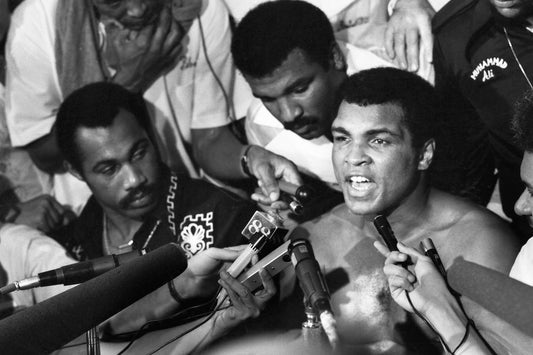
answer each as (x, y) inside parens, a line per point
(294, 205)
(430, 250)
(313, 284)
(73, 273)
(385, 230)
(303, 193)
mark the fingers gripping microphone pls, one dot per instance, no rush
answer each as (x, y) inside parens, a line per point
(50, 324)
(313, 284)
(74, 273)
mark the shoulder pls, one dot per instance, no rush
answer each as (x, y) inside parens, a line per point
(453, 11)
(477, 234)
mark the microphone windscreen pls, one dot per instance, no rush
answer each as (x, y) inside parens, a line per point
(505, 297)
(52, 323)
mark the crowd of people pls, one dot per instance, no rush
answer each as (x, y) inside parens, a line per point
(127, 125)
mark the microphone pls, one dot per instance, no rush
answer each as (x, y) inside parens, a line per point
(73, 273)
(294, 205)
(54, 322)
(313, 284)
(505, 297)
(385, 230)
(430, 251)
(303, 193)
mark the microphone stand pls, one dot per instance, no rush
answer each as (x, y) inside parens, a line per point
(93, 341)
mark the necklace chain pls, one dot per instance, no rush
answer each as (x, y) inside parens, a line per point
(516, 57)
(126, 246)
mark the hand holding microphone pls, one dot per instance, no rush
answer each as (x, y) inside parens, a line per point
(424, 283)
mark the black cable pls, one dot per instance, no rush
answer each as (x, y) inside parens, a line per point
(145, 328)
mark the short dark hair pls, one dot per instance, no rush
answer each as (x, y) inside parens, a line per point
(414, 95)
(522, 124)
(271, 31)
(94, 105)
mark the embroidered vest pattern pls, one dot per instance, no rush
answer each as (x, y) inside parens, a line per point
(196, 233)
(170, 202)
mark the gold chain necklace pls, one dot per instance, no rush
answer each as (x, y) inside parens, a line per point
(516, 57)
(126, 247)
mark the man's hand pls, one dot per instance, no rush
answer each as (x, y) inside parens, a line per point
(244, 304)
(425, 285)
(199, 279)
(268, 168)
(43, 213)
(409, 32)
(140, 57)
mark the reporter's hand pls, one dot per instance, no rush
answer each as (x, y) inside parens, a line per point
(244, 304)
(425, 285)
(408, 33)
(268, 168)
(43, 213)
(199, 279)
(140, 57)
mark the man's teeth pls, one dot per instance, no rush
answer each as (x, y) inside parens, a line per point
(358, 179)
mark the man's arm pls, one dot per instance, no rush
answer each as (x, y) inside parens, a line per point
(198, 280)
(31, 78)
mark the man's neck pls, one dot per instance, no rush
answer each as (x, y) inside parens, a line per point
(122, 228)
(411, 214)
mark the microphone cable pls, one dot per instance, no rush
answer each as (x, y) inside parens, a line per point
(145, 328)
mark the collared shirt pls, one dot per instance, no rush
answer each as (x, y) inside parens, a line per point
(192, 213)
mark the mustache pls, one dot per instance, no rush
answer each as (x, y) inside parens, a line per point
(299, 123)
(133, 195)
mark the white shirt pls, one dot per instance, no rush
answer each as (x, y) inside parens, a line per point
(25, 252)
(522, 269)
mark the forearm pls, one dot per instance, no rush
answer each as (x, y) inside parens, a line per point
(450, 322)
(218, 152)
(45, 153)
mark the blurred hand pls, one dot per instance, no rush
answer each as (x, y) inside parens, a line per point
(268, 168)
(425, 285)
(409, 32)
(44, 213)
(244, 304)
(140, 57)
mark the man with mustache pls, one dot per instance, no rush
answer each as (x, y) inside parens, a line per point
(175, 53)
(295, 74)
(137, 202)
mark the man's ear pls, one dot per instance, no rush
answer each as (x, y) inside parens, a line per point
(73, 171)
(426, 155)
(337, 58)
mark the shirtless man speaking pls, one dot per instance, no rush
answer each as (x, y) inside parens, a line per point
(382, 149)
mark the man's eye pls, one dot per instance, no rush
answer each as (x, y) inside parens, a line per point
(339, 139)
(139, 154)
(300, 89)
(379, 141)
(108, 170)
